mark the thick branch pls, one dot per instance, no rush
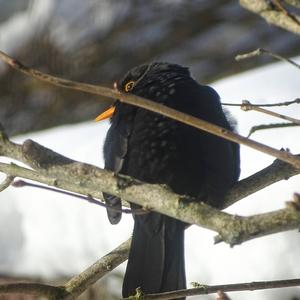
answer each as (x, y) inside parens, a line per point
(59, 171)
(279, 18)
(53, 169)
(154, 107)
(42, 158)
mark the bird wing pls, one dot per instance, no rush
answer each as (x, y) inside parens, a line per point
(115, 151)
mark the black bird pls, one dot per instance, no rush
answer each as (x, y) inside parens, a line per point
(156, 149)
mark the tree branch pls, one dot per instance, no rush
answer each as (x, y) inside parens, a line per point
(253, 129)
(207, 289)
(273, 173)
(78, 284)
(261, 51)
(56, 170)
(89, 198)
(6, 183)
(247, 105)
(61, 172)
(285, 103)
(154, 107)
(266, 10)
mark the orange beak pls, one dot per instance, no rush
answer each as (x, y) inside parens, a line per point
(106, 114)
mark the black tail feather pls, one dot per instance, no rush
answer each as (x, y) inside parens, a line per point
(156, 258)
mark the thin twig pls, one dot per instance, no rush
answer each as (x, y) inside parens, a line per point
(285, 103)
(207, 289)
(247, 106)
(261, 51)
(6, 183)
(89, 198)
(270, 126)
(154, 107)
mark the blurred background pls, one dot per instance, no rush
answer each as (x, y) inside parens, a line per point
(96, 41)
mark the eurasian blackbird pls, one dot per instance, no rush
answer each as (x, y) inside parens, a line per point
(157, 149)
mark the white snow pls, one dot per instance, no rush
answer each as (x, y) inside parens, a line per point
(42, 233)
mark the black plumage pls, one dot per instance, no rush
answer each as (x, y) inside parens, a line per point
(156, 149)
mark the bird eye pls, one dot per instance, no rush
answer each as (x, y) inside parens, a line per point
(129, 86)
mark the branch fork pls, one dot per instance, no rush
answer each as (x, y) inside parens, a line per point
(50, 168)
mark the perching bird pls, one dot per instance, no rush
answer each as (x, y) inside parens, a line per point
(156, 149)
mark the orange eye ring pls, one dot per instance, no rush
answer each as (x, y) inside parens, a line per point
(129, 86)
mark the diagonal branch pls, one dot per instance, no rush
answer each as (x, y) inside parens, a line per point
(154, 107)
(6, 183)
(266, 10)
(56, 170)
(76, 285)
(273, 173)
(37, 156)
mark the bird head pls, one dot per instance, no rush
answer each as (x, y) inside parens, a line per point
(149, 81)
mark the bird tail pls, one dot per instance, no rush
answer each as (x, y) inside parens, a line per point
(156, 258)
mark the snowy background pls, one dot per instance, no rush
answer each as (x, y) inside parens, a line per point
(43, 234)
(49, 235)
